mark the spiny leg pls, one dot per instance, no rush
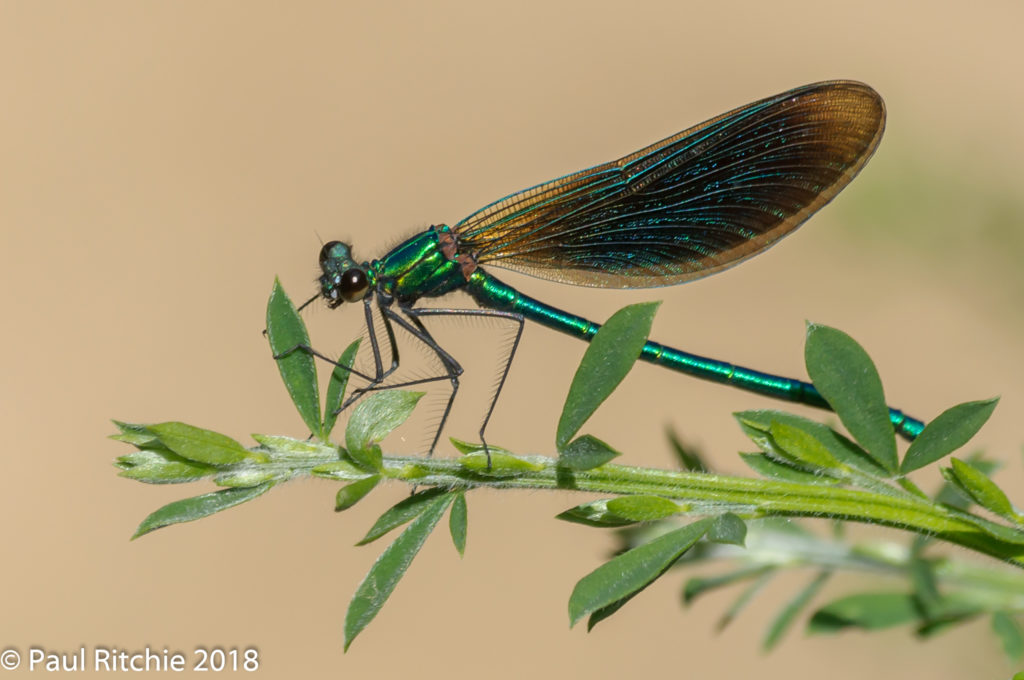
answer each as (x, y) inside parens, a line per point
(493, 313)
(310, 350)
(451, 367)
(381, 374)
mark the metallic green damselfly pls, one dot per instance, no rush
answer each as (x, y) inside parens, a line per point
(688, 206)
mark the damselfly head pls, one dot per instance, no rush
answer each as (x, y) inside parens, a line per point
(343, 280)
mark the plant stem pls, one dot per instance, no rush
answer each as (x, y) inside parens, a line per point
(705, 494)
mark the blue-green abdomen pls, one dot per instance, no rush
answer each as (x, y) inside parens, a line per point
(490, 292)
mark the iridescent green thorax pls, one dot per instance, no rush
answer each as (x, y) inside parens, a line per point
(419, 267)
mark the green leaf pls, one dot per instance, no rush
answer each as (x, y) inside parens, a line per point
(142, 441)
(980, 488)
(612, 352)
(288, 336)
(501, 464)
(926, 592)
(729, 529)
(189, 509)
(803, 446)
(294, 447)
(699, 585)
(595, 514)
(350, 494)
(341, 470)
(757, 425)
(244, 478)
(950, 493)
(457, 522)
(947, 433)
(400, 513)
(764, 465)
(373, 419)
(202, 446)
(389, 568)
(136, 435)
(604, 612)
(846, 377)
(465, 447)
(745, 598)
(1003, 533)
(948, 620)
(869, 611)
(1008, 629)
(585, 453)
(788, 615)
(336, 386)
(632, 571)
(642, 508)
(161, 466)
(689, 458)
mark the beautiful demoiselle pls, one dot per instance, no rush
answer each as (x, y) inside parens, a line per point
(688, 206)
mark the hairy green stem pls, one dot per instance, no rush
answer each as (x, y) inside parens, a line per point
(703, 494)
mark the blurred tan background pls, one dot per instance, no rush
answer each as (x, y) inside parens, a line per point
(160, 163)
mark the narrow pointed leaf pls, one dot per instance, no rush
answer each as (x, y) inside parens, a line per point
(604, 612)
(136, 435)
(869, 611)
(787, 616)
(389, 568)
(844, 374)
(757, 425)
(803, 446)
(982, 489)
(202, 446)
(629, 573)
(766, 466)
(341, 470)
(689, 458)
(400, 513)
(610, 355)
(458, 522)
(286, 333)
(595, 514)
(950, 493)
(745, 598)
(350, 494)
(498, 465)
(926, 592)
(294, 447)
(586, 453)
(951, 616)
(336, 386)
(695, 587)
(947, 433)
(156, 466)
(465, 447)
(642, 508)
(190, 509)
(1008, 629)
(373, 419)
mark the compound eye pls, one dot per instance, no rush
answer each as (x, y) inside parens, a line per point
(353, 285)
(332, 249)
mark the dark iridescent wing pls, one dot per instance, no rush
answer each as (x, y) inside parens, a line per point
(690, 205)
